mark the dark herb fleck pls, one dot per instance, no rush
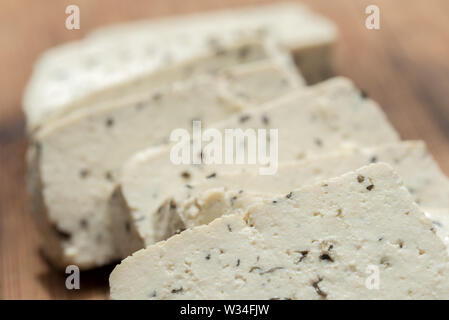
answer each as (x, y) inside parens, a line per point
(288, 196)
(318, 142)
(373, 159)
(385, 262)
(109, 122)
(64, 235)
(317, 288)
(370, 187)
(360, 178)
(84, 223)
(109, 176)
(265, 120)
(229, 228)
(271, 270)
(254, 268)
(174, 291)
(84, 173)
(212, 175)
(185, 175)
(208, 256)
(238, 263)
(244, 52)
(326, 256)
(244, 118)
(302, 257)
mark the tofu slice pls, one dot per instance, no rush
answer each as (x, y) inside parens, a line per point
(75, 162)
(337, 239)
(45, 101)
(308, 35)
(323, 118)
(72, 72)
(203, 202)
(200, 201)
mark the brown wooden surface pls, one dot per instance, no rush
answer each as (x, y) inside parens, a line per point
(404, 66)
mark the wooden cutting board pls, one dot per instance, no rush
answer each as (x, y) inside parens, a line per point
(404, 66)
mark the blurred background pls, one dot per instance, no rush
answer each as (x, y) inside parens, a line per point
(404, 66)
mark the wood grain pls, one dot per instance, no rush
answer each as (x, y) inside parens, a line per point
(404, 66)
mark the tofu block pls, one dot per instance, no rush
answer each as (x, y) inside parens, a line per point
(75, 162)
(202, 202)
(251, 50)
(350, 237)
(72, 72)
(320, 119)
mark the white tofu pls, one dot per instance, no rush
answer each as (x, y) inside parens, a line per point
(351, 237)
(197, 203)
(75, 161)
(70, 73)
(440, 221)
(318, 120)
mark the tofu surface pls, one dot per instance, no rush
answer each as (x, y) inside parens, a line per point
(440, 221)
(350, 237)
